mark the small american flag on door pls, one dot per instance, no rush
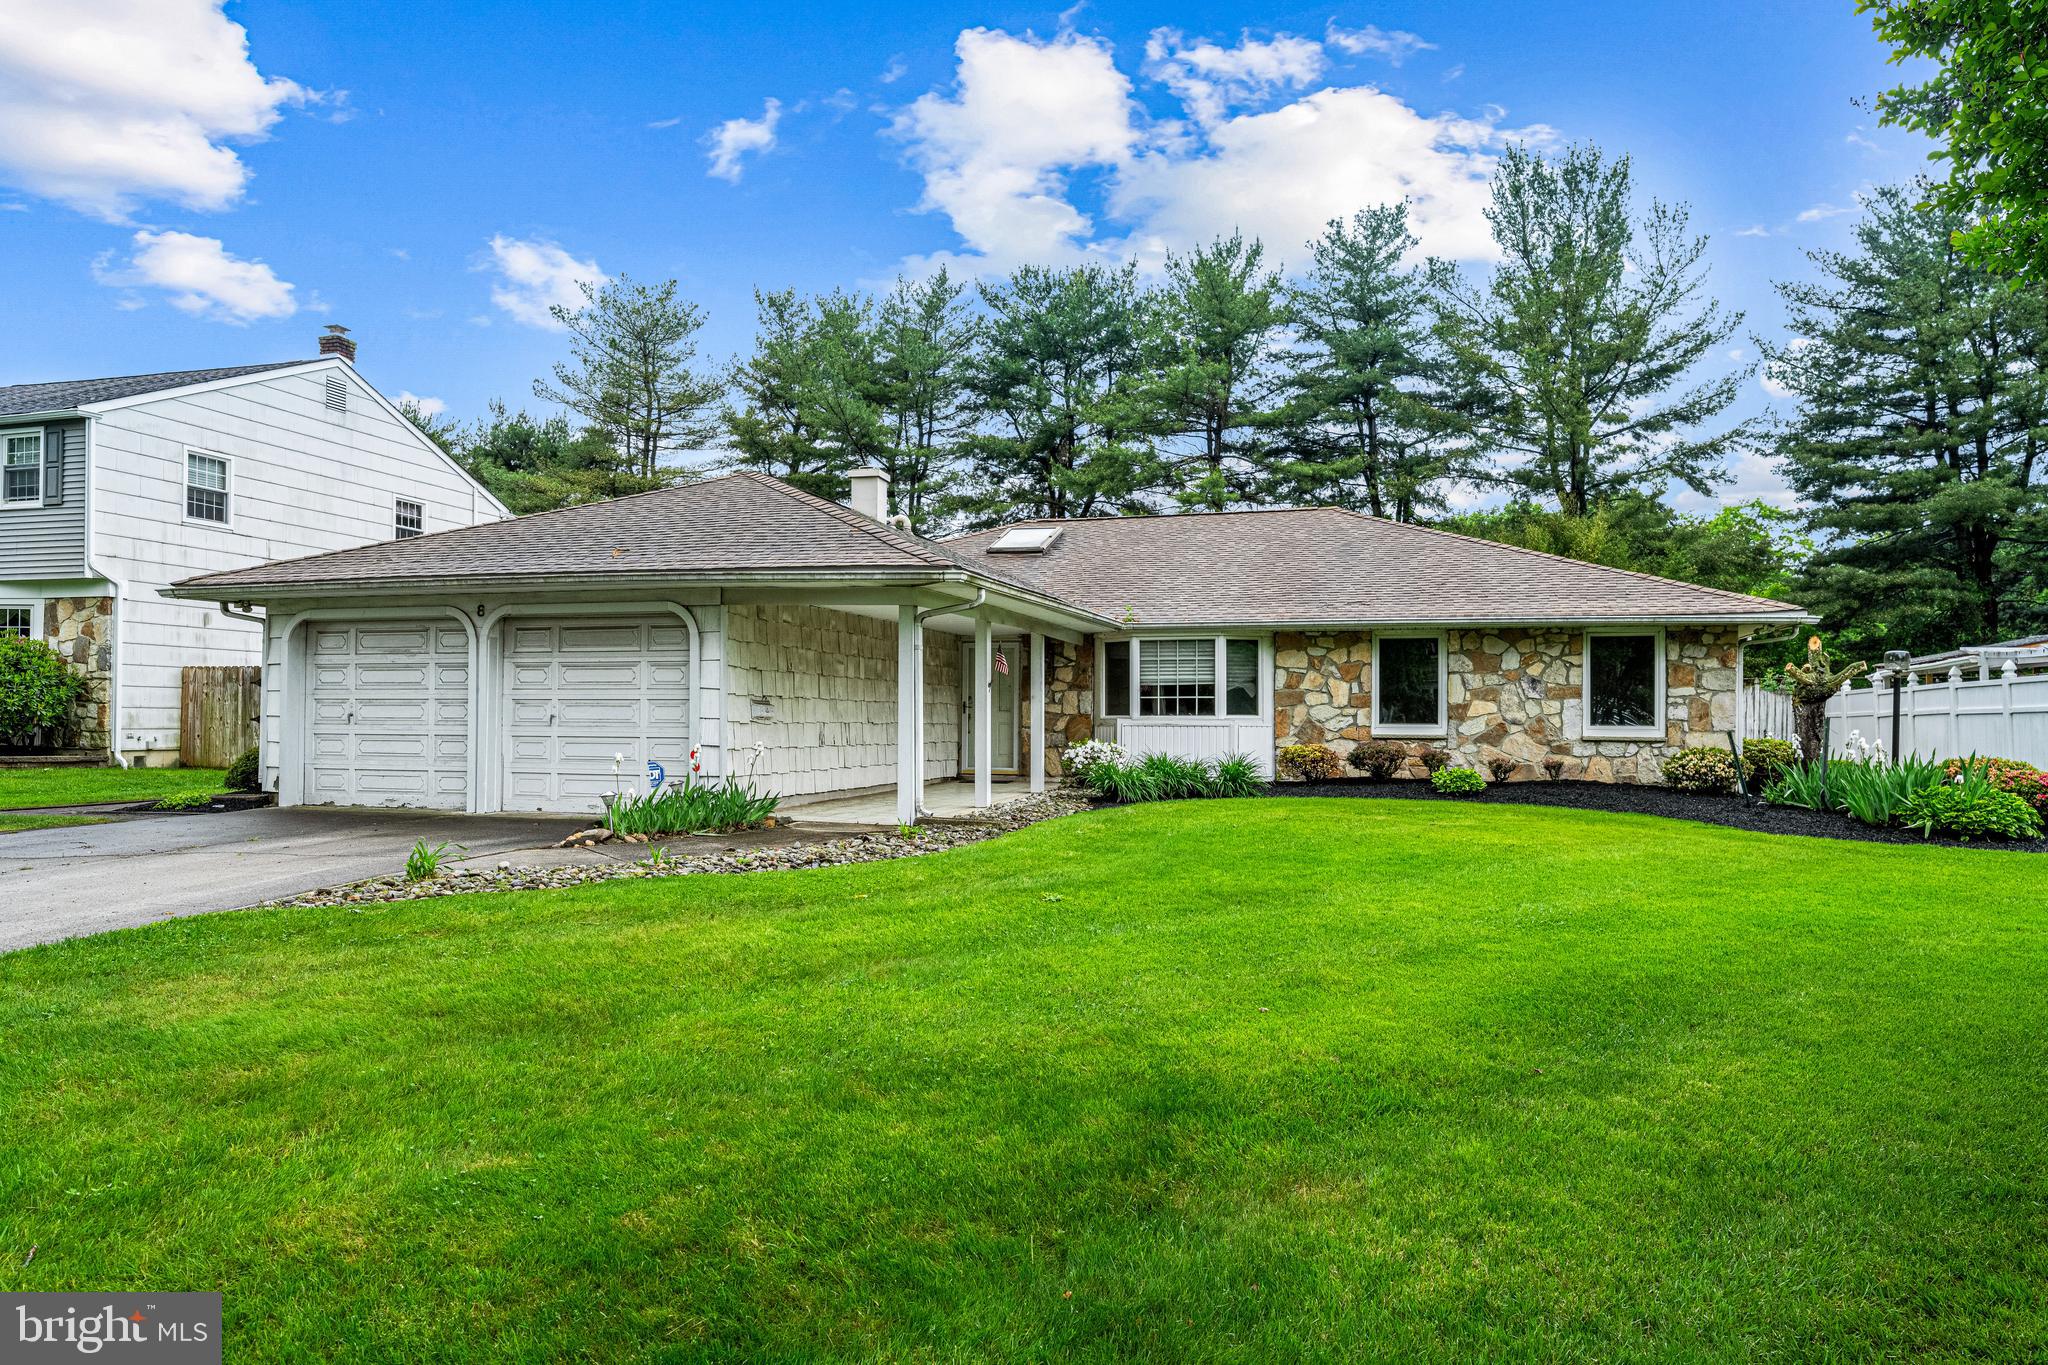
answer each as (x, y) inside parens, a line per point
(1002, 664)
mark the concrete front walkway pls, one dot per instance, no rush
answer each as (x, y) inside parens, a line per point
(59, 883)
(949, 800)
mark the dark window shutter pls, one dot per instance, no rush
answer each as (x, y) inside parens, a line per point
(54, 442)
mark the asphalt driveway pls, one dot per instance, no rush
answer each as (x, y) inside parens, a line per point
(59, 883)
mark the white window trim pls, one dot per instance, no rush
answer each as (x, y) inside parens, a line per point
(1220, 715)
(34, 605)
(185, 488)
(398, 506)
(1661, 668)
(1443, 687)
(42, 436)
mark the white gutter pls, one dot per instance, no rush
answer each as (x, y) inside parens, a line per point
(92, 521)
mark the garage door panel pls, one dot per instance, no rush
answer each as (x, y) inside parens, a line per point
(580, 693)
(388, 720)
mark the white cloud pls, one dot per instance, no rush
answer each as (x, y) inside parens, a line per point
(733, 139)
(534, 275)
(1857, 139)
(666, 122)
(1027, 117)
(1820, 212)
(1210, 80)
(106, 103)
(996, 155)
(428, 407)
(1395, 45)
(1753, 230)
(201, 277)
(895, 71)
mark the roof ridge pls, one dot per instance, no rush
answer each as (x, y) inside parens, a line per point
(1743, 597)
(162, 374)
(861, 521)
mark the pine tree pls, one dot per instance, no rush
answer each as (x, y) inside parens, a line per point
(924, 344)
(1565, 366)
(632, 348)
(1211, 383)
(811, 394)
(1918, 435)
(1061, 435)
(1355, 431)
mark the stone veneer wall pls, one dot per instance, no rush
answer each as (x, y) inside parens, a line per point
(830, 679)
(81, 629)
(1069, 700)
(1512, 692)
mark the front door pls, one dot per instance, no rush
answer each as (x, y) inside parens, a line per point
(1003, 720)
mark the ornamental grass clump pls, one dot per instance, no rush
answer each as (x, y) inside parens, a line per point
(692, 805)
(1168, 777)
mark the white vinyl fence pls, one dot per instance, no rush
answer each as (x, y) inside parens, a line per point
(1766, 715)
(2004, 715)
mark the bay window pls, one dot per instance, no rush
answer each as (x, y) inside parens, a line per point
(1408, 684)
(1625, 684)
(1197, 676)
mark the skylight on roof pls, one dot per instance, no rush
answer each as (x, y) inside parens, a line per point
(1025, 540)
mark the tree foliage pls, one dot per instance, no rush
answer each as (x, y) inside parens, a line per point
(1987, 106)
(1568, 367)
(1918, 434)
(629, 376)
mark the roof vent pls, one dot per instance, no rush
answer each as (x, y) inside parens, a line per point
(1025, 540)
(337, 393)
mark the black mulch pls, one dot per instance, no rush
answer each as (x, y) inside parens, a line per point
(1737, 812)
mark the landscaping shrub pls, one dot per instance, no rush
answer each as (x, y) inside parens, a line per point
(1377, 758)
(2023, 780)
(1077, 761)
(1433, 761)
(1972, 810)
(245, 774)
(183, 801)
(1457, 781)
(1763, 760)
(1176, 778)
(1870, 791)
(1310, 762)
(1703, 771)
(1501, 766)
(1237, 775)
(37, 690)
(691, 806)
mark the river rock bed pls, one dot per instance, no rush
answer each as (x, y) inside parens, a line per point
(508, 875)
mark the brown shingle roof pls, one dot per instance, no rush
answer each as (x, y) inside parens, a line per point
(62, 395)
(735, 523)
(1328, 566)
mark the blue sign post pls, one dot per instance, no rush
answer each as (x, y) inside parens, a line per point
(656, 775)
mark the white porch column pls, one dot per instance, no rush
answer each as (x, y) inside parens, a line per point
(909, 739)
(1037, 712)
(984, 711)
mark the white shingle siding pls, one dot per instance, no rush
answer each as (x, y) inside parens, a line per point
(830, 678)
(304, 480)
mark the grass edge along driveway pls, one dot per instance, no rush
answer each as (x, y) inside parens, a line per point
(25, 790)
(1274, 1079)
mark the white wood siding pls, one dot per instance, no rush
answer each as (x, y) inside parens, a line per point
(304, 480)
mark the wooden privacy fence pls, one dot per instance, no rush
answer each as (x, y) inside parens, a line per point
(1766, 714)
(217, 714)
(2003, 715)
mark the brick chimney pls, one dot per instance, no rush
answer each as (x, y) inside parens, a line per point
(335, 342)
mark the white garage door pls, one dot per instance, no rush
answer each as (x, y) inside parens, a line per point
(579, 693)
(388, 720)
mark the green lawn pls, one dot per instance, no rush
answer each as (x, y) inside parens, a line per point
(11, 821)
(1248, 1081)
(29, 787)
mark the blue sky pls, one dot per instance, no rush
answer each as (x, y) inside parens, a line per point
(432, 175)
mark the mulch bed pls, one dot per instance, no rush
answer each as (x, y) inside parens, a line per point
(1736, 812)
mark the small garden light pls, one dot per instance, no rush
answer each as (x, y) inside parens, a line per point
(1898, 668)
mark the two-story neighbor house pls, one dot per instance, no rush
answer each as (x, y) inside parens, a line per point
(110, 489)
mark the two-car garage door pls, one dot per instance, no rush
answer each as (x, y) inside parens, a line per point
(583, 706)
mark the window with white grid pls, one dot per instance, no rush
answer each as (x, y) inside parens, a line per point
(24, 469)
(206, 488)
(412, 519)
(1177, 677)
(17, 619)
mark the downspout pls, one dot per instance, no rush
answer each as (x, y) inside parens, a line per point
(92, 521)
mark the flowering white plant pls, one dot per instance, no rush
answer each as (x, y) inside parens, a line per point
(1861, 750)
(1096, 752)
